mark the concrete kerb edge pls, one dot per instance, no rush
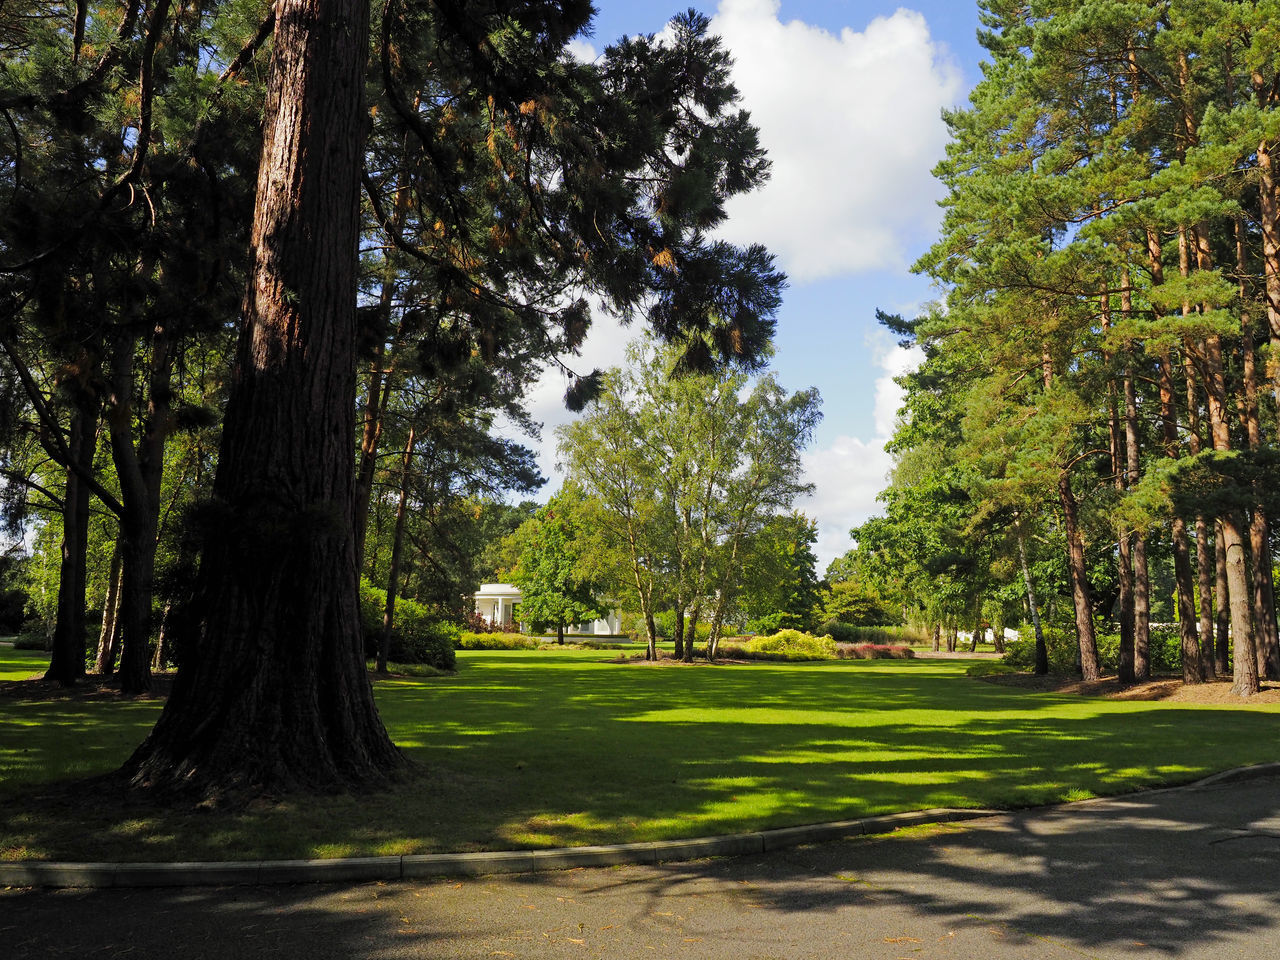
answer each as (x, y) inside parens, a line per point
(484, 863)
(423, 866)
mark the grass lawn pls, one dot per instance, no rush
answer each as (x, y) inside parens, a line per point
(541, 748)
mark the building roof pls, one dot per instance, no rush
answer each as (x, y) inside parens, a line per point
(494, 591)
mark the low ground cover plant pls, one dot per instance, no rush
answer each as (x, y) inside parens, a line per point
(784, 645)
(848, 633)
(468, 640)
(874, 651)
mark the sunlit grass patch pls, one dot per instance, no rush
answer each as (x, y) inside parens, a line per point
(543, 748)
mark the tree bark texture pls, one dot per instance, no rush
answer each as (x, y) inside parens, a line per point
(272, 692)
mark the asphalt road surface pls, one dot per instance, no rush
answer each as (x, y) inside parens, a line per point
(1191, 873)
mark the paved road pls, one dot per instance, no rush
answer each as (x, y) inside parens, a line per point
(1191, 873)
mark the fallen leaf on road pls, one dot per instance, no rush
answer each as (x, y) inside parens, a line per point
(901, 940)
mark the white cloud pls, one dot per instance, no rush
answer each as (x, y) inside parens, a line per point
(605, 347)
(852, 124)
(582, 50)
(849, 473)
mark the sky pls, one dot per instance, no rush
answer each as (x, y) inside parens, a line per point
(848, 96)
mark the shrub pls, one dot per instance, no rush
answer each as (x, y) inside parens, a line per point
(418, 636)
(32, 641)
(874, 651)
(783, 645)
(848, 633)
(496, 641)
(1165, 650)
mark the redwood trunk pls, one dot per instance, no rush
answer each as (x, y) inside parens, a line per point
(272, 692)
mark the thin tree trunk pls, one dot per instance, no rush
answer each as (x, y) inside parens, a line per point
(1042, 652)
(397, 549)
(937, 637)
(162, 635)
(1080, 594)
(1196, 660)
(105, 663)
(1124, 542)
(67, 662)
(1132, 474)
(272, 692)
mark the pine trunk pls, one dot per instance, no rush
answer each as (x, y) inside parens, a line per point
(1267, 640)
(1196, 663)
(1080, 597)
(67, 661)
(397, 550)
(105, 663)
(272, 692)
(1195, 659)
(1141, 577)
(1042, 652)
(1244, 656)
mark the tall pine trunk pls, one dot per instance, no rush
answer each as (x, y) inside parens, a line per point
(105, 663)
(397, 549)
(1195, 660)
(67, 661)
(272, 692)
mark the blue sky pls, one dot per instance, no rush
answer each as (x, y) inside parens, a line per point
(847, 95)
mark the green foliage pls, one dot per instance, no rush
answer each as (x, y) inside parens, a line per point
(855, 604)
(1166, 650)
(418, 635)
(556, 589)
(790, 645)
(666, 623)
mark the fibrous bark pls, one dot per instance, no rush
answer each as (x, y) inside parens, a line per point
(272, 692)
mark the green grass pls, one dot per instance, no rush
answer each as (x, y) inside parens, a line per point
(540, 748)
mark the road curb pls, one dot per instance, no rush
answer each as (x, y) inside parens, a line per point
(44, 873)
(423, 866)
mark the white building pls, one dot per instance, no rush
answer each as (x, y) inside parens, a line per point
(496, 604)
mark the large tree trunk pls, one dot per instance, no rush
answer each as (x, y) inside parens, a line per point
(1245, 665)
(1267, 639)
(66, 664)
(272, 692)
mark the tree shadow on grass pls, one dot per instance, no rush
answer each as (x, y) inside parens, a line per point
(578, 751)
